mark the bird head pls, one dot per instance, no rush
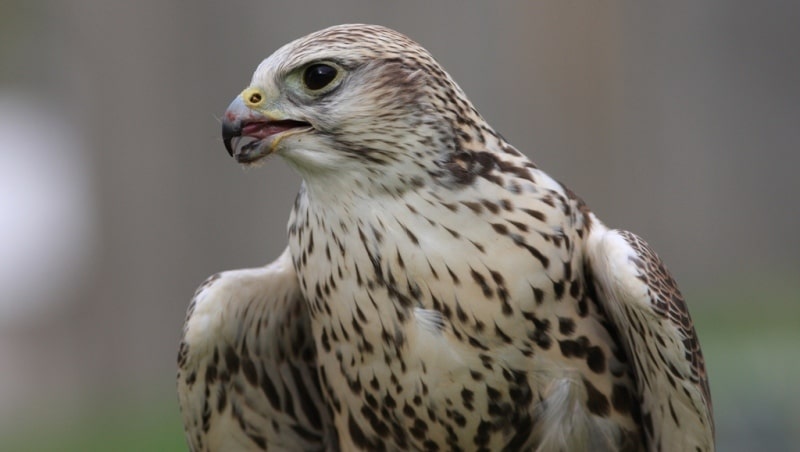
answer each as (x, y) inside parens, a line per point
(358, 97)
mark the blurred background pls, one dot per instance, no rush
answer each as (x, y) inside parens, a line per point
(680, 122)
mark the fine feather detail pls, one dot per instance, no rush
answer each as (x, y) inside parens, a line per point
(448, 294)
(672, 386)
(246, 369)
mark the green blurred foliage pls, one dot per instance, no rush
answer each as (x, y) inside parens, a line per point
(126, 427)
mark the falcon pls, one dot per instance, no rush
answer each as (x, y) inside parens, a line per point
(439, 291)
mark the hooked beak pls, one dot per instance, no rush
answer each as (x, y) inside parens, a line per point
(250, 134)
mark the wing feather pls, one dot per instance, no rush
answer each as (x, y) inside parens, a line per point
(247, 365)
(646, 306)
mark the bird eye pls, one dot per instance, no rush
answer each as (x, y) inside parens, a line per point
(318, 76)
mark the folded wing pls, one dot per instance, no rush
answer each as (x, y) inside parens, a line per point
(643, 301)
(247, 365)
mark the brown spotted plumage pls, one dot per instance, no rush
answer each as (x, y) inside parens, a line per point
(447, 293)
(247, 366)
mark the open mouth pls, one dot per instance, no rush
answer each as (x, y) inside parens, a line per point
(249, 141)
(265, 129)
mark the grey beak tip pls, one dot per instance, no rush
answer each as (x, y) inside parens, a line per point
(230, 130)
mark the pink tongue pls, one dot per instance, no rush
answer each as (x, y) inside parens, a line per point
(263, 130)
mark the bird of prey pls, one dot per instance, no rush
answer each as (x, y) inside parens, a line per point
(439, 291)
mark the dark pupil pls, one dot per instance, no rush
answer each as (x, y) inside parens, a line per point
(317, 76)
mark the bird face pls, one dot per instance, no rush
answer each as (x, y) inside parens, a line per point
(353, 96)
(278, 110)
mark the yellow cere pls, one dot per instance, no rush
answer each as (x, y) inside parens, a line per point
(253, 97)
